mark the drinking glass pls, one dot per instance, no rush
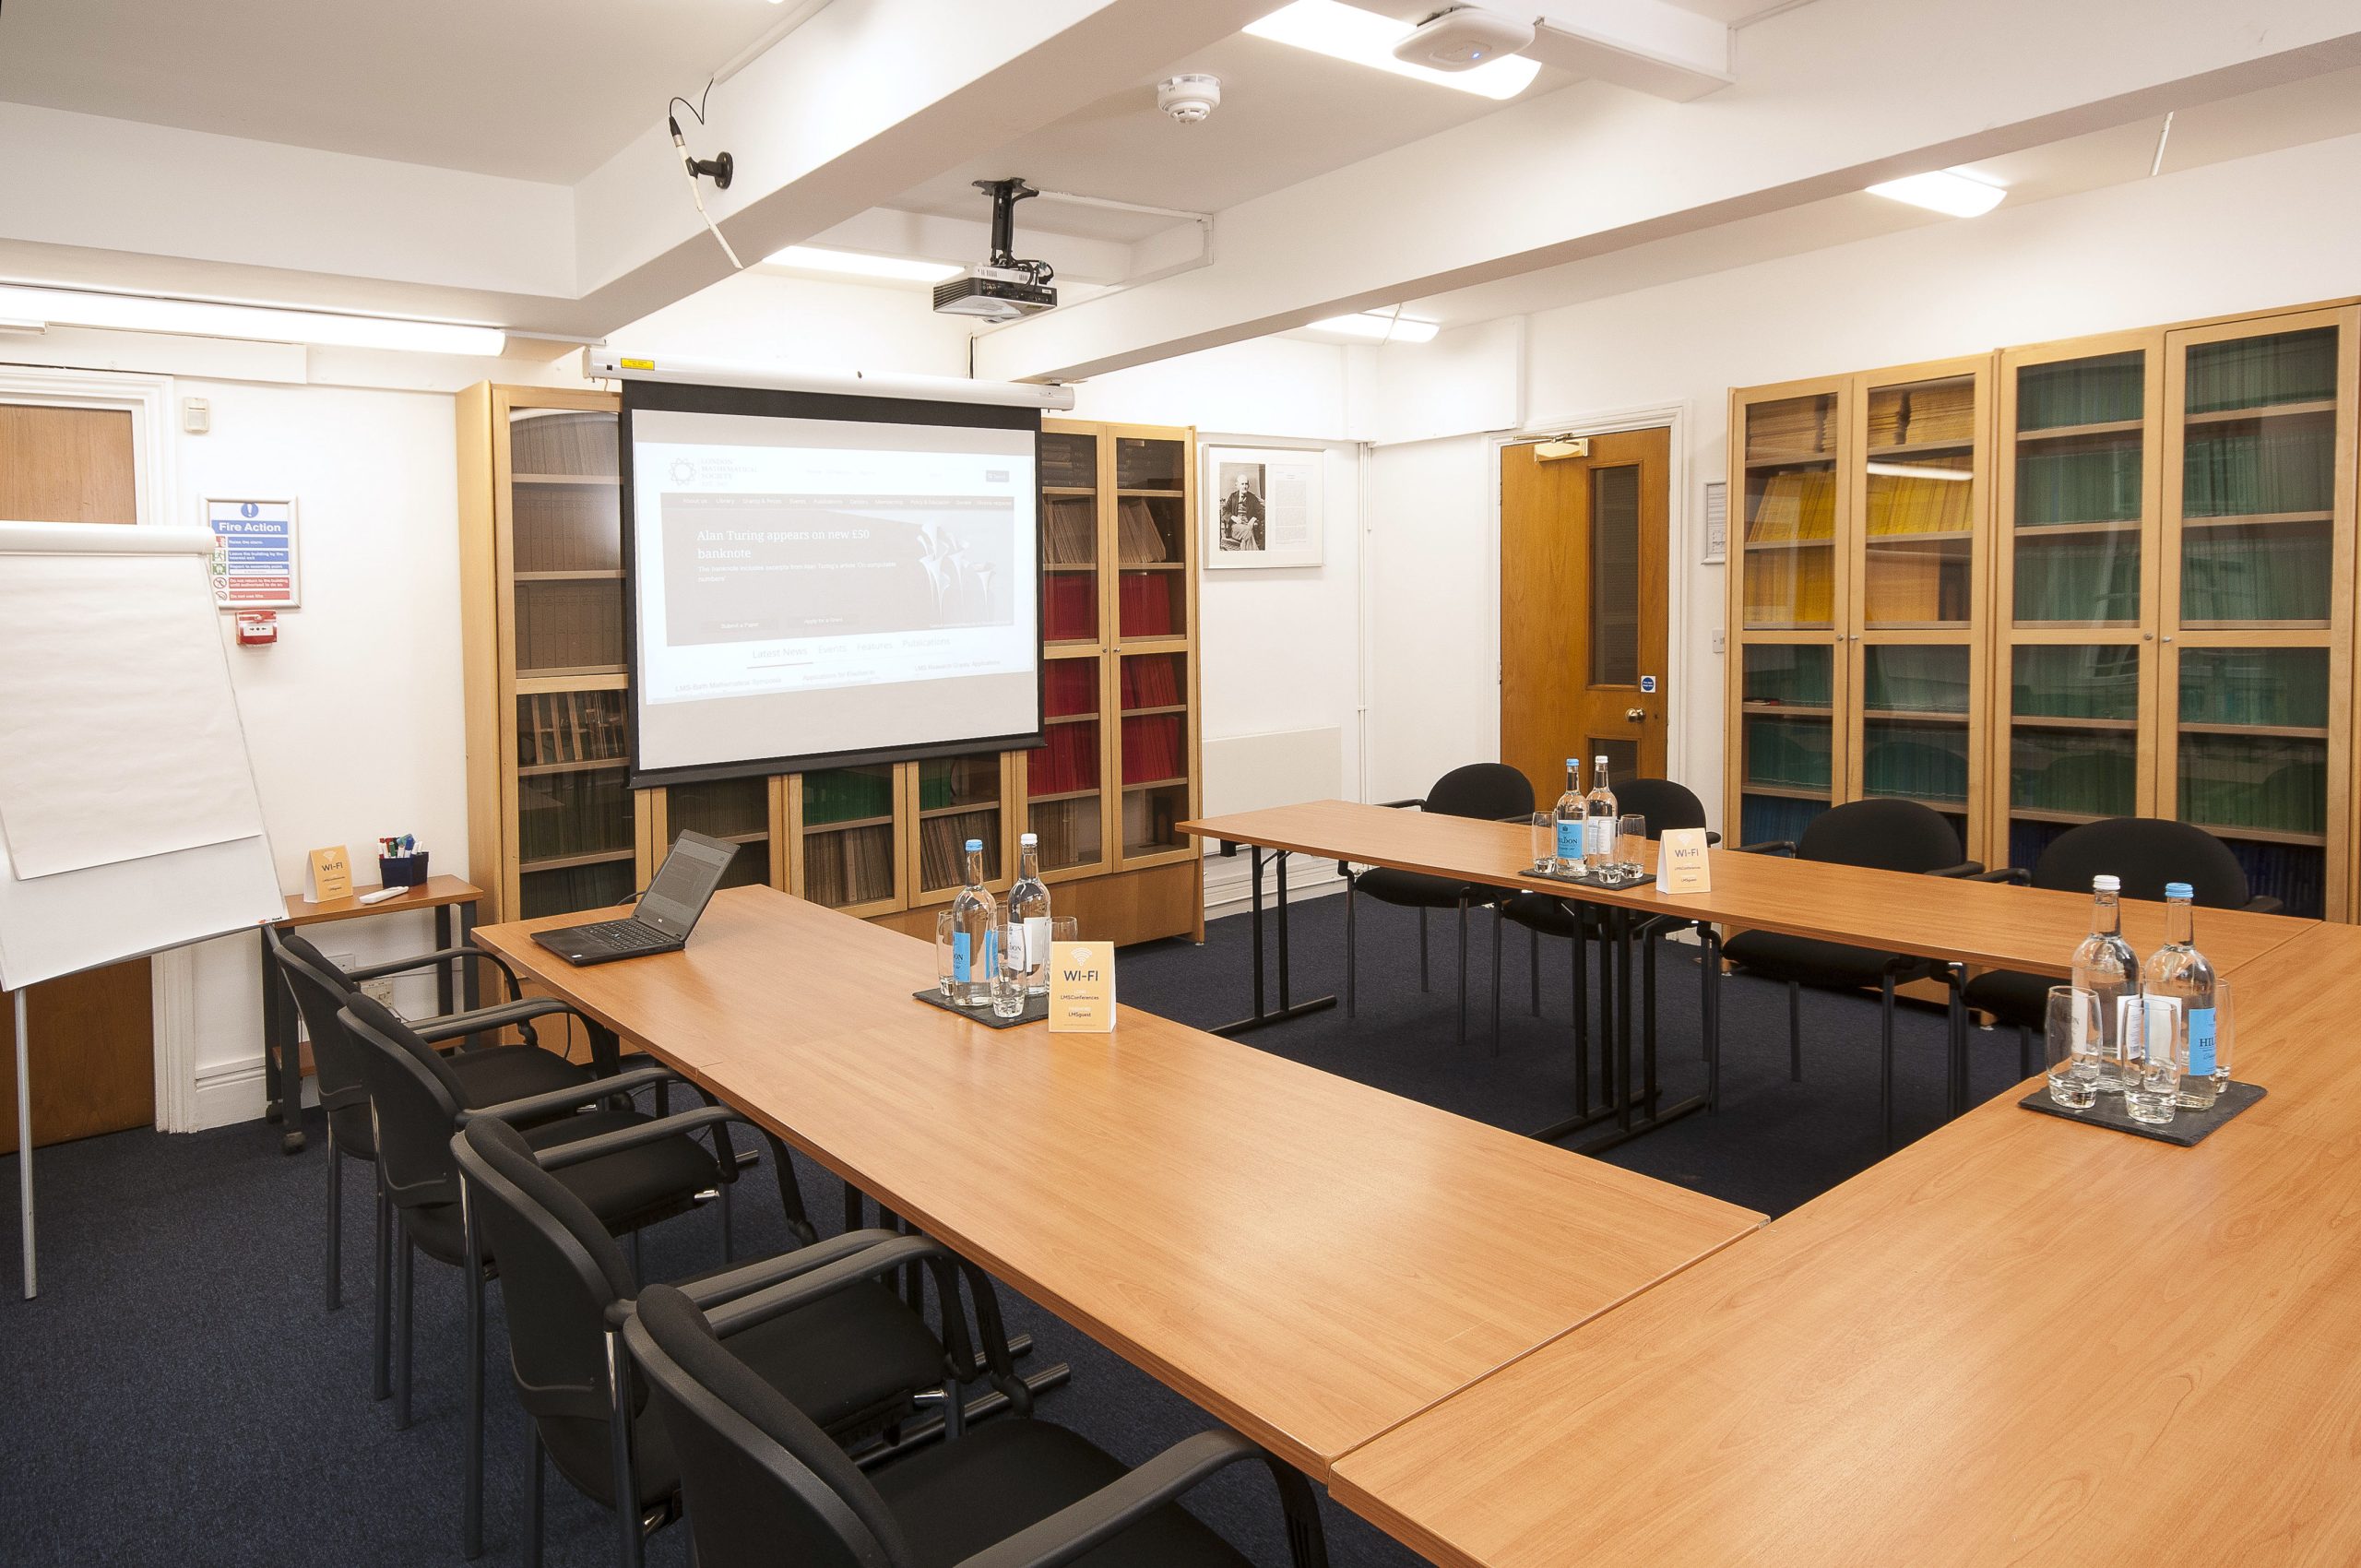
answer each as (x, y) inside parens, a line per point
(2152, 1066)
(1545, 840)
(942, 970)
(1632, 831)
(2074, 1037)
(1008, 977)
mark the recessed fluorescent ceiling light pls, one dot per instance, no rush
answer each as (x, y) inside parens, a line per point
(853, 264)
(145, 312)
(1382, 325)
(1347, 33)
(1946, 191)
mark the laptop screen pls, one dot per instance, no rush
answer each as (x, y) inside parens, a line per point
(684, 883)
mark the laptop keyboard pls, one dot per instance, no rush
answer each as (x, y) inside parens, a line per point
(620, 936)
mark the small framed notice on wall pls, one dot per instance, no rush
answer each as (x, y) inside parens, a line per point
(1260, 506)
(254, 553)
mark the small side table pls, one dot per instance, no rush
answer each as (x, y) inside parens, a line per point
(282, 1060)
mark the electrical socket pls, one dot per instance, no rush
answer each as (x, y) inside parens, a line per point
(380, 991)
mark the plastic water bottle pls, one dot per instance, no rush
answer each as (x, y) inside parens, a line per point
(2179, 971)
(2107, 968)
(974, 956)
(1602, 822)
(1570, 818)
(1028, 919)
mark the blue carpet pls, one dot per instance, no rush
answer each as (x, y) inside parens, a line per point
(178, 1396)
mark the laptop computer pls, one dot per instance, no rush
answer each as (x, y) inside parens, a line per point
(665, 915)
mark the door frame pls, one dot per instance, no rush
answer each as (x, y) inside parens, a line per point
(149, 400)
(1680, 506)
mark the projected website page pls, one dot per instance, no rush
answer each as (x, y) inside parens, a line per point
(814, 586)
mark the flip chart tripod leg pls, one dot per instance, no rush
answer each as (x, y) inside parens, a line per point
(25, 1146)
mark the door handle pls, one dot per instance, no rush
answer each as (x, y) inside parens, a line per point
(1636, 715)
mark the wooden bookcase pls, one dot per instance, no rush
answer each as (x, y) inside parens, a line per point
(2151, 614)
(1858, 602)
(553, 826)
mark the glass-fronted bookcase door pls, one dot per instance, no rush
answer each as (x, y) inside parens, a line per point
(1784, 743)
(2255, 608)
(2075, 572)
(1918, 470)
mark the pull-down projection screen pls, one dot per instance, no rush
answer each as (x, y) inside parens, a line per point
(817, 579)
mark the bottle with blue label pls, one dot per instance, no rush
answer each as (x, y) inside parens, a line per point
(1570, 814)
(2179, 974)
(974, 954)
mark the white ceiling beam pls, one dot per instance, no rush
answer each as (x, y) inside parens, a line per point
(1645, 45)
(866, 99)
(1833, 97)
(961, 241)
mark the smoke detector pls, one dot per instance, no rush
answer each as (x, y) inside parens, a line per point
(1462, 39)
(1190, 98)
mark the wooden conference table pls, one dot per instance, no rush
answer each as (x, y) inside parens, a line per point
(1312, 1260)
(2018, 1340)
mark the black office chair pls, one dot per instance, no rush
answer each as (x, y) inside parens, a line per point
(419, 1104)
(1490, 790)
(1885, 835)
(2144, 853)
(856, 1363)
(765, 1486)
(493, 1072)
(1665, 805)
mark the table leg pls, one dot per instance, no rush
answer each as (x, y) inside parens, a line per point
(1636, 1115)
(25, 1144)
(1287, 1007)
(282, 1058)
(443, 999)
(470, 971)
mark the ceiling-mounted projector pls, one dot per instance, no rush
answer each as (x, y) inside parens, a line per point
(1004, 287)
(1462, 39)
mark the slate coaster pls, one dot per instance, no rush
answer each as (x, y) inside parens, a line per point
(2188, 1128)
(1584, 879)
(1036, 1009)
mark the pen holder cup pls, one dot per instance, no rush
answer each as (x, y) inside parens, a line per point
(402, 870)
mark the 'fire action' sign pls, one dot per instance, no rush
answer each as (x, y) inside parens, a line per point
(253, 554)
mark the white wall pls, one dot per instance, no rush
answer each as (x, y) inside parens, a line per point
(1279, 646)
(806, 324)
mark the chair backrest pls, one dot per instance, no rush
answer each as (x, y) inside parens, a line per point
(1664, 804)
(559, 1272)
(1883, 835)
(320, 989)
(1486, 789)
(763, 1484)
(416, 1099)
(2146, 852)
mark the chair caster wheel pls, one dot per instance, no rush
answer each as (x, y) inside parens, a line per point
(291, 1143)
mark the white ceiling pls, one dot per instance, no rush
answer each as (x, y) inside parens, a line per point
(1286, 116)
(2310, 108)
(537, 90)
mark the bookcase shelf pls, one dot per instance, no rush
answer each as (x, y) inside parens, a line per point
(554, 827)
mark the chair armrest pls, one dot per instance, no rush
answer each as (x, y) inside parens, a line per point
(439, 956)
(2264, 904)
(1712, 837)
(2013, 876)
(553, 1102)
(574, 1151)
(500, 1014)
(1769, 847)
(719, 1289)
(1418, 801)
(1965, 869)
(1079, 1527)
(762, 1305)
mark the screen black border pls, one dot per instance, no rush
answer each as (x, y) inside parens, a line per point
(770, 402)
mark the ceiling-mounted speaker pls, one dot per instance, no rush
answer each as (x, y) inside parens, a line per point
(1462, 39)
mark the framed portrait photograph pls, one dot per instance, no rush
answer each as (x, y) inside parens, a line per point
(1261, 507)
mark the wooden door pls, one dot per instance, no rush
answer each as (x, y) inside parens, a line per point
(1583, 567)
(93, 1045)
